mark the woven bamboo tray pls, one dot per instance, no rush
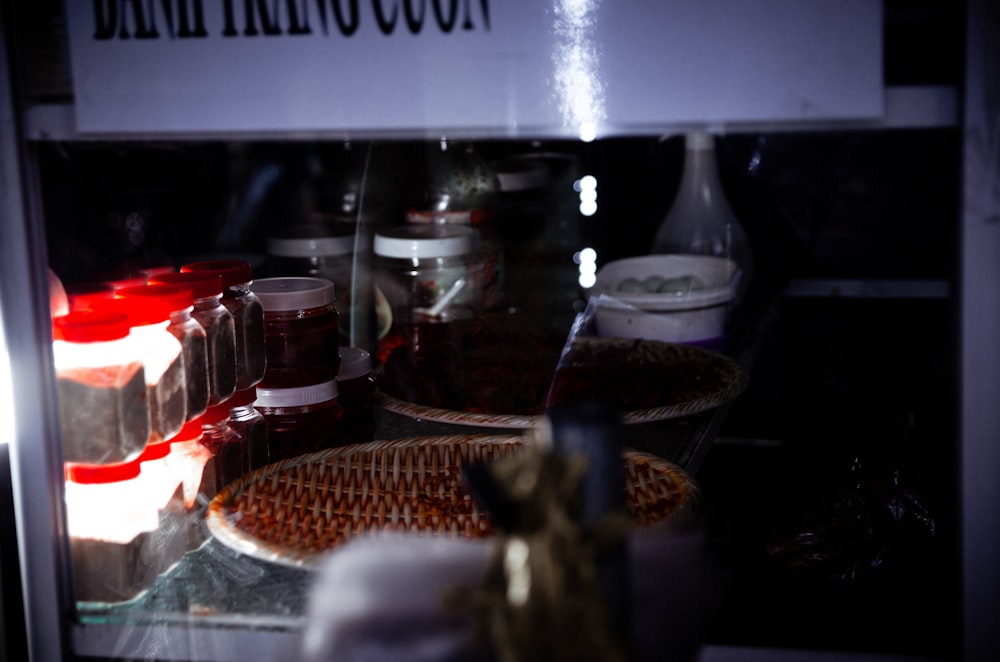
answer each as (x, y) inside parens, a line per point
(294, 511)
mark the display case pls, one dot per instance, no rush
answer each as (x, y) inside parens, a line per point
(849, 502)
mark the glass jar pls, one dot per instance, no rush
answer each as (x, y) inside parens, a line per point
(248, 316)
(424, 275)
(319, 252)
(162, 355)
(249, 425)
(301, 420)
(220, 330)
(123, 522)
(229, 450)
(357, 394)
(301, 331)
(101, 388)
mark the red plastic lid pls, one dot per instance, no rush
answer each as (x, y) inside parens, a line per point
(89, 295)
(155, 451)
(90, 326)
(216, 413)
(148, 304)
(242, 398)
(233, 272)
(190, 432)
(202, 283)
(101, 473)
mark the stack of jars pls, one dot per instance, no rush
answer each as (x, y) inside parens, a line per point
(155, 379)
(298, 395)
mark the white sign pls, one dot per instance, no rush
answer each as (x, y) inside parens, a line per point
(499, 67)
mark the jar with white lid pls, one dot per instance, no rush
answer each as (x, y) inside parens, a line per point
(162, 355)
(101, 388)
(220, 329)
(301, 420)
(424, 275)
(357, 394)
(301, 331)
(248, 315)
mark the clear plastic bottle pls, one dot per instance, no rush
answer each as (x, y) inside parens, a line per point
(101, 386)
(228, 449)
(220, 329)
(700, 220)
(249, 425)
(193, 463)
(162, 356)
(248, 316)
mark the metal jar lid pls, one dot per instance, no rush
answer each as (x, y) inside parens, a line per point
(293, 293)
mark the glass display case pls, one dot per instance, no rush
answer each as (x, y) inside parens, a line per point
(848, 505)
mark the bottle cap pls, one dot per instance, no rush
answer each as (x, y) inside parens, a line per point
(89, 295)
(233, 272)
(101, 473)
(90, 326)
(202, 283)
(421, 241)
(354, 362)
(293, 293)
(297, 397)
(149, 304)
(310, 246)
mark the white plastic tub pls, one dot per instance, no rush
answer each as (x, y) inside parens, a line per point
(691, 310)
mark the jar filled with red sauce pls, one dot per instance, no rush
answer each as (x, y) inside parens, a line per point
(357, 394)
(301, 331)
(249, 425)
(301, 420)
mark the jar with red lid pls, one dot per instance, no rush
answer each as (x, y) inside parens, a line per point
(301, 331)
(101, 388)
(250, 426)
(227, 448)
(124, 525)
(162, 353)
(301, 420)
(357, 394)
(248, 316)
(220, 329)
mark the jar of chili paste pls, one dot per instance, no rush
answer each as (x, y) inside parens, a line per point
(301, 420)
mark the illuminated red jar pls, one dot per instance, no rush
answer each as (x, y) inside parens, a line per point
(148, 309)
(124, 525)
(248, 316)
(301, 420)
(301, 331)
(220, 329)
(101, 388)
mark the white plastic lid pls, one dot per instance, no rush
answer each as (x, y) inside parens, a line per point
(297, 397)
(310, 246)
(411, 241)
(293, 293)
(354, 362)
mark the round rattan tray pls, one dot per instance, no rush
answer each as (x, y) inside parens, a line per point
(293, 511)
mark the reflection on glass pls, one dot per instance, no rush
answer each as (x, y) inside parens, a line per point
(576, 62)
(6, 392)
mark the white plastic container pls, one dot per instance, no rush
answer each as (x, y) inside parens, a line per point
(672, 298)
